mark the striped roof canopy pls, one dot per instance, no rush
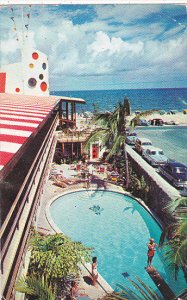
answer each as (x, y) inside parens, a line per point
(20, 116)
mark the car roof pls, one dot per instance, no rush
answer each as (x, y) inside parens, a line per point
(144, 140)
(152, 148)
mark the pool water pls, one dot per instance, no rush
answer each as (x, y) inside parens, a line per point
(119, 229)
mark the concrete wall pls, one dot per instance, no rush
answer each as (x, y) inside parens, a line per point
(160, 191)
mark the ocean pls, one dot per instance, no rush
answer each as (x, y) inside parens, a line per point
(172, 139)
(140, 99)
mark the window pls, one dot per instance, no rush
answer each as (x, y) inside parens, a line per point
(180, 170)
(153, 152)
(146, 143)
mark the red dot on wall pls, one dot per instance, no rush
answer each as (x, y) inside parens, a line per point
(17, 90)
(43, 86)
(35, 55)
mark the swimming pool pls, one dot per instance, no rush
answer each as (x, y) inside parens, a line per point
(118, 228)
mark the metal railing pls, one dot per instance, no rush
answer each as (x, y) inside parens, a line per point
(11, 222)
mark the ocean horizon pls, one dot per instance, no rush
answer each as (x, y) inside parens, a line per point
(140, 99)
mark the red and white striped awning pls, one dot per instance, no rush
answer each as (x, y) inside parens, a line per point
(20, 116)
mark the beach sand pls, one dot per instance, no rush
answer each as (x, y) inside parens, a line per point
(180, 118)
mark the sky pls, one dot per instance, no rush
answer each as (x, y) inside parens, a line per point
(100, 47)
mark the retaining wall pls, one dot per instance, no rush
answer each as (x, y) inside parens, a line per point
(160, 191)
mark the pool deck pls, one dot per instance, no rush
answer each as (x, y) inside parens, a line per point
(52, 192)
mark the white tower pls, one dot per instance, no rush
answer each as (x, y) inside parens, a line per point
(28, 77)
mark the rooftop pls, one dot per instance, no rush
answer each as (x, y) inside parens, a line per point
(22, 116)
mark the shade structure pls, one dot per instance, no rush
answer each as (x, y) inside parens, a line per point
(20, 118)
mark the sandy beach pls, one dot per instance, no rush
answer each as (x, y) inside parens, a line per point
(179, 118)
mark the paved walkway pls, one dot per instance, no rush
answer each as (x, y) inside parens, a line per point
(51, 192)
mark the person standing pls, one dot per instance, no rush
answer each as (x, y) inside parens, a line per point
(74, 291)
(90, 169)
(94, 271)
(151, 252)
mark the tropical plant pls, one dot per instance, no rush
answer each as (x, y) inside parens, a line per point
(138, 185)
(111, 133)
(37, 287)
(56, 256)
(139, 291)
(174, 236)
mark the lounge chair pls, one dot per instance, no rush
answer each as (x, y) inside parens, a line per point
(59, 183)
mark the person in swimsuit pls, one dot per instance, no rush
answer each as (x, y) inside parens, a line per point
(150, 252)
(74, 288)
(94, 271)
(74, 292)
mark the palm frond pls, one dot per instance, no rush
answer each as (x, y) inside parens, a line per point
(177, 203)
(129, 293)
(168, 232)
(116, 146)
(182, 229)
(140, 290)
(151, 292)
(96, 135)
(35, 286)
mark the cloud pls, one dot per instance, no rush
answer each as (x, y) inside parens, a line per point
(113, 41)
(125, 13)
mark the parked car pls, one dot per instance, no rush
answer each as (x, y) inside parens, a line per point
(140, 122)
(184, 191)
(174, 172)
(131, 139)
(157, 122)
(171, 123)
(162, 112)
(154, 156)
(172, 112)
(141, 144)
(144, 123)
(137, 112)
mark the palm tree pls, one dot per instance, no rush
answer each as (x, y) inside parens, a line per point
(112, 133)
(36, 287)
(174, 236)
